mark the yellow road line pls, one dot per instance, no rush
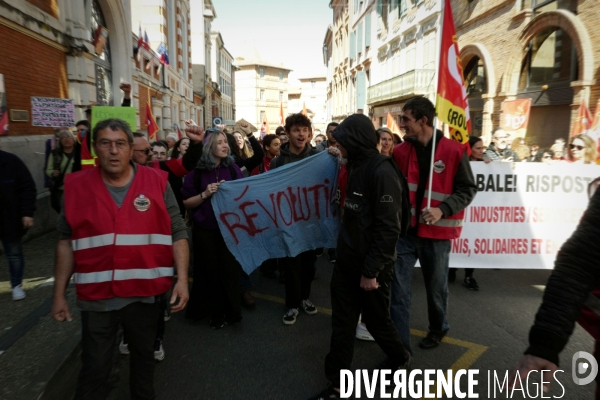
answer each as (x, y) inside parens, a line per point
(474, 350)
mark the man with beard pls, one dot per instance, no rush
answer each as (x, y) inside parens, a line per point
(498, 150)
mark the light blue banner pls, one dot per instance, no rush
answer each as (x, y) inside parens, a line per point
(280, 213)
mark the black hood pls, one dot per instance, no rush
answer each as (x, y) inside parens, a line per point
(357, 134)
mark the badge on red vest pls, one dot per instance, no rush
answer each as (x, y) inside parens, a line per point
(439, 166)
(142, 203)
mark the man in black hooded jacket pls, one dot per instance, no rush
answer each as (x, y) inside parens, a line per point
(362, 276)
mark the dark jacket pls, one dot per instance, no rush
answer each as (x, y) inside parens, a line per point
(494, 154)
(286, 156)
(576, 273)
(372, 209)
(17, 196)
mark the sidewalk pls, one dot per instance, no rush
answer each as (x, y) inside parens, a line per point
(39, 357)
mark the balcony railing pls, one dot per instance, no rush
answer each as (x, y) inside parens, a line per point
(415, 82)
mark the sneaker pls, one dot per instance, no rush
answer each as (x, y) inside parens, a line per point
(362, 333)
(332, 259)
(471, 283)
(329, 393)
(217, 323)
(309, 307)
(290, 317)
(159, 352)
(452, 275)
(124, 347)
(247, 299)
(432, 340)
(319, 252)
(18, 293)
(406, 363)
(167, 313)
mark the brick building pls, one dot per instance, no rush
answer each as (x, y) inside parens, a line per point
(47, 51)
(545, 50)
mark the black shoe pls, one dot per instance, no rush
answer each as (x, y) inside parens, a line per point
(329, 393)
(232, 319)
(452, 275)
(471, 283)
(217, 323)
(247, 299)
(406, 363)
(332, 260)
(319, 252)
(432, 340)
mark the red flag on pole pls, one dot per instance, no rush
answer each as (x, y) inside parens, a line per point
(451, 104)
(392, 126)
(281, 117)
(151, 122)
(304, 112)
(594, 131)
(583, 122)
(264, 129)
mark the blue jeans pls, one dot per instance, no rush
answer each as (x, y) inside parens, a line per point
(433, 255)
(16, 262)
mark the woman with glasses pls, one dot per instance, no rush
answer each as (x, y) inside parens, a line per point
(216, 271)
(581, 149)
(533, 150)
(545, 156)
(63, 160)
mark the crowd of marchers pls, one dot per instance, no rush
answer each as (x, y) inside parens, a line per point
(126, 206)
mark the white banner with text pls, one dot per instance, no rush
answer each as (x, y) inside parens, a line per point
(522, 214)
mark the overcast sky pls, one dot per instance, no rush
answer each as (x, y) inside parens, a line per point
(288, 31)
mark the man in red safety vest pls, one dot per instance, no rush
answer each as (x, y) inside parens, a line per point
(428, 240)
(120, 235)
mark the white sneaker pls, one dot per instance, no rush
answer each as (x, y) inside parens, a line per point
(18, 293)
(309, 307)
(123, 347)
(290, 317)
(362, 333)
(159, 351)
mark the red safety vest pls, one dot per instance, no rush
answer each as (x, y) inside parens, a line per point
(87, 160)
(119, 252)
(448, 155)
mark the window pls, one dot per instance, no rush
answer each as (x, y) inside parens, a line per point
(313, 84)
(429, 50)
(551, 58)
(475, 76)
(103, 67)
(262, 116)
(280, 97)
(261, 72)
(280, 76)
(539, 6)
(262, 94)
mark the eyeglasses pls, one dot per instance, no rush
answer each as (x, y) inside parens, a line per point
(574, 146)
(145, 151)
(106, 144)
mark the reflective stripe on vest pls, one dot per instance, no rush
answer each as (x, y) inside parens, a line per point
(93, 241)
(143, 240)
(121, 240)
(436, 195)
(88, 162)
(122, 274)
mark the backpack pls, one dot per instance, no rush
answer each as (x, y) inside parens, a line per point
(367, 183)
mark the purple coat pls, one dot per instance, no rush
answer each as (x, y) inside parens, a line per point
(203, 215)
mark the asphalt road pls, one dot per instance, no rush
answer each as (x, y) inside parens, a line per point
(261, 358)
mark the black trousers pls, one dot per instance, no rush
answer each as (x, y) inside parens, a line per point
(98, 341)
(299, 274)
(347, 302)
(216, 277)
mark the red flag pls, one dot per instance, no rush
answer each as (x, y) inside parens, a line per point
(281, 117)
(583, 122)
(304, 112)
(152, 126)
(179, 135)
(3, 122)
(264, 129)
(451, 104)
(594, 131)
(392, 126)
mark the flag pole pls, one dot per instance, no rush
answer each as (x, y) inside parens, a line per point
(435, 118)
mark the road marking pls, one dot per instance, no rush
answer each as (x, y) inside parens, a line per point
(474, 350)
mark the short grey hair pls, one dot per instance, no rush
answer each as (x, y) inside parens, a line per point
(114, 124)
